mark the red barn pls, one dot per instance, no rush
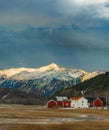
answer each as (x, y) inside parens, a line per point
(60, 104)
(97, 102)
(52, 104)
(67, 103)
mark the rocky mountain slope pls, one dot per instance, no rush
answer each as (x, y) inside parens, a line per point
(43, 81)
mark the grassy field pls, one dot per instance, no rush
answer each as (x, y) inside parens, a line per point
(19, 117)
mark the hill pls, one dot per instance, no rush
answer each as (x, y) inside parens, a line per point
(10, 96)
(96, 87)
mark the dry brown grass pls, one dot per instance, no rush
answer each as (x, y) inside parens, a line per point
(69, 126)
(31, 112)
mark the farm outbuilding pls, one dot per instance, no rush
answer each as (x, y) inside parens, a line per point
(52, 104)
(63, 101)
(60, 104)
(67, 104)
(97, 102)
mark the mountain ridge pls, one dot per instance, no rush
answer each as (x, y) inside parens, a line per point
(12, 71)
(45, 80)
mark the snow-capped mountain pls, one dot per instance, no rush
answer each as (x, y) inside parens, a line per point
(43, 81)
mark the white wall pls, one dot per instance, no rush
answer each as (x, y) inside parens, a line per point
(83, 103)
(80, 103)
(74, 103)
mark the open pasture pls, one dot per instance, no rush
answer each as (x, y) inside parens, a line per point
(21, 117)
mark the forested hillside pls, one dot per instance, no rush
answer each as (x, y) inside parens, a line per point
(97, 86)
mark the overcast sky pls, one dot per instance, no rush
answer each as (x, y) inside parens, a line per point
(70, 33)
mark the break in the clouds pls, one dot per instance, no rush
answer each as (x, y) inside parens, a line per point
(71, 33)
(93, 8)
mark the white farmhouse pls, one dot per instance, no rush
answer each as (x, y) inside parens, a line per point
(79, 102)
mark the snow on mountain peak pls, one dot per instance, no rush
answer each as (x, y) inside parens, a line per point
(92, 75)
(46, 70)
(49, 67)
(13, 71)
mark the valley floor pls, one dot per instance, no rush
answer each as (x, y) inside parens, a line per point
(21, 117)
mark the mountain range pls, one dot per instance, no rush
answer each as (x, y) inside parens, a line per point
(44, 81)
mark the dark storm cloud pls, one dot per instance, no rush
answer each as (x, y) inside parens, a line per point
(34, 47)
(30, 12)
(23, 49)
(72, 33)
(36, 13)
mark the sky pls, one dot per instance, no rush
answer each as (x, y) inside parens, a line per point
(70, 33)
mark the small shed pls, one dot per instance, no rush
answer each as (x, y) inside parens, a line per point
(52, 104)
(97, 102)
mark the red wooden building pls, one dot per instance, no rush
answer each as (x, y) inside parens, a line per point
(60, 104)
(67, 104)
(52, 104)
(97, 103)
(64, 104)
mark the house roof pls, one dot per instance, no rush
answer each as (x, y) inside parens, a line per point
(103, 100)
(51, 101)
(75, 98)
(90, 99)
